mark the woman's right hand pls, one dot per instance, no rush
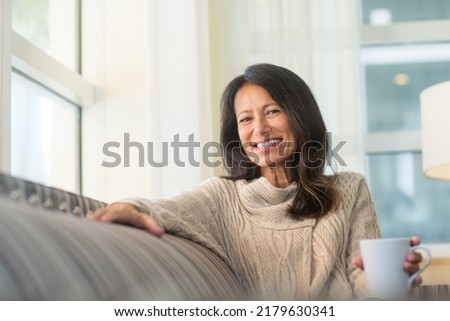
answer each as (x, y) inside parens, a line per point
(128, 214)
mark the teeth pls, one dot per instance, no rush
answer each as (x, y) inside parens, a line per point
(266, 144)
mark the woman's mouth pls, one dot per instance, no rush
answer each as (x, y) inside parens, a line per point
(267, 144)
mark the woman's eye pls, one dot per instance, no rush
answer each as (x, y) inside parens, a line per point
(244, 120)
(273, 112)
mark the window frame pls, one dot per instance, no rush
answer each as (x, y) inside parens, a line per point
(5, 86)
(400, 32)
(21, 56)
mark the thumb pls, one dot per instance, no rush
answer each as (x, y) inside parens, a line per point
(358, 262)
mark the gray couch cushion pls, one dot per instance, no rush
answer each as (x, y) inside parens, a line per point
(48, 256)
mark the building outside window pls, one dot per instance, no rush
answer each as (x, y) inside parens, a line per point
(404, 50)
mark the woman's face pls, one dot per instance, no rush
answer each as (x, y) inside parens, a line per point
(263, 127)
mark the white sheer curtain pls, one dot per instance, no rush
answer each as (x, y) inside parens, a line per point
(151, 64)
(336, 75)
(179, 92)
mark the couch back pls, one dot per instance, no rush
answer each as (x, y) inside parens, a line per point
(44, 256)
(50, 198)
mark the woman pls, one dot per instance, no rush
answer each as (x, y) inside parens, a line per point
(287, 230)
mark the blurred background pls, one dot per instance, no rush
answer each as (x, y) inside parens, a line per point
(137, 74)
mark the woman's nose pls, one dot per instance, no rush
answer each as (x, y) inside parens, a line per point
(262, 127)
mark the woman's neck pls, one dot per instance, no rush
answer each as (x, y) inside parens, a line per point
(278, 177)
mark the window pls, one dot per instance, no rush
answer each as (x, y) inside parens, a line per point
(51, 25)
(394, 76)
(45, 145)
(409, 203)
(397, 66)
(41, 128)
(378, 12)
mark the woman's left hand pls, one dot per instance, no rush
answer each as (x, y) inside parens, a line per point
(413, 259)
(411, 264)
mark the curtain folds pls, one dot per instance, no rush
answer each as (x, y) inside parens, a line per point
(179, 94)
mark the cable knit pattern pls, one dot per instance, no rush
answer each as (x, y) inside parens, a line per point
(273, 255)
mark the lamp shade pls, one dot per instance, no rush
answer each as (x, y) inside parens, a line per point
(435, 118)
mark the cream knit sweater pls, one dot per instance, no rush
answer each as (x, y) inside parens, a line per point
(274, 256)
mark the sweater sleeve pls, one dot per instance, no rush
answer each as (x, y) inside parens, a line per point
(193, 214)
(363, 225)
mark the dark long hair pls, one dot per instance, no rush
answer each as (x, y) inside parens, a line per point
(316, 194)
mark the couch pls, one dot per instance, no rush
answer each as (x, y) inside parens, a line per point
(49, 251)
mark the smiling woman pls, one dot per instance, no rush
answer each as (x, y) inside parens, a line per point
(271, 104)
(284, 227)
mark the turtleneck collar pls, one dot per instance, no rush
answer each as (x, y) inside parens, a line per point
(268, 205)
(263, 193)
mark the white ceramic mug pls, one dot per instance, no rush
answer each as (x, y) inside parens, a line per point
(383, 265)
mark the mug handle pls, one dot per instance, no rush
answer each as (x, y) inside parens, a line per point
(424, 265)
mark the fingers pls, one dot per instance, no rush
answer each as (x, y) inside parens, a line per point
(415, 240)
(414, 258)
(147, 223)
(411, 267)
(358, 262)
(125, 213)
(417, 281)
(116, 212)
(411, 264)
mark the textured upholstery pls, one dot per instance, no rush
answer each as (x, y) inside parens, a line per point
(47, 197)
(48, 256)
(436, 292)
